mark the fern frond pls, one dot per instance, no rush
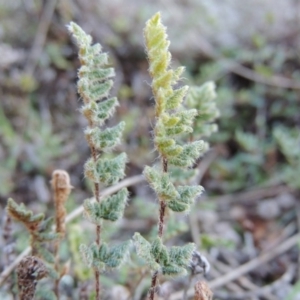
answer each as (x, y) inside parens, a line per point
(187, 195)
(161, 184)
(105, 139)
(105, 170)
(110, 208)
(113, 207)
(189, 154)
(23, 215)
(182, 256)
(202, 99)
(143, 249)
(118, 254)
(99, 112)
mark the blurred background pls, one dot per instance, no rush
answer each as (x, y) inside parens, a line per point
(251, 175)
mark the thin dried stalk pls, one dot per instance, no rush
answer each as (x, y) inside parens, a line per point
(61, 189)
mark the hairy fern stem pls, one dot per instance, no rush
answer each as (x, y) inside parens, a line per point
(161, 225)
(98, 227)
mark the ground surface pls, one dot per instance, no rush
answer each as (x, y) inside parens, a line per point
(247, 223)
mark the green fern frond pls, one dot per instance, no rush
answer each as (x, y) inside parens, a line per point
(118, 254)
(113, 207)
(92, 211)
(189, 154)
(23, 215)
(170, 262)
(93, 91)
(179, 259)
(163, 76)
(159, 252)
(105, 170)
(176, 98)
(86, 254)
(161, 184)
(105, 139)
(182, 256)
(82, 39)
(174, 125)
(94, 85)
(187, 195)
(202, 99)
(143, 249)
(110, 208)
(99, 112)
(101, 257)
(173, 120)
(94, 76)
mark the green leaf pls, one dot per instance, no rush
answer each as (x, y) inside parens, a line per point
(118, 254)
(98, 112)
(96, 92)
(93, 75)
(112, 208)
(182, 256)
(86, 254)
(92, 211)
(143, 248)
(105, 139)
(161, 184)
(190, 153)
(177, 96)
(105, 170)
(159, 251)
(23, 215)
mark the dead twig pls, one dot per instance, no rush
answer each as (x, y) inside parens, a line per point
(261, 291)
(251, 196)
(275, 80)
(247, 267)
(243, 281)
(40, 37)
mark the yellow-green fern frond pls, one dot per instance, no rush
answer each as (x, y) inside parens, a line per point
(159, 57)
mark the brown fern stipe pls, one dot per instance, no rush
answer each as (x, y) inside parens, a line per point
(30, 270)
(161, 224)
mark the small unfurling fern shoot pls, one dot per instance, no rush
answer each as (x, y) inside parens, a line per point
(94, 84)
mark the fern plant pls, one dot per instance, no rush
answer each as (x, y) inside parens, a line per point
(94, 84)
(41, 234)
(38, 227)
(202, 99)
(41, 261)
(174, 123)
